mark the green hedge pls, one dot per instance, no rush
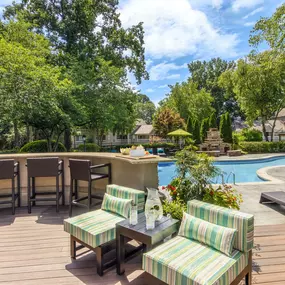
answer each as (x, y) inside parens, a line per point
(40, 146)
(262, 147)
(145, 145)
(90, 147)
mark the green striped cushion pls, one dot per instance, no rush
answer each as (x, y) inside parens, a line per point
(93, 228)
(188, 262)
(137, 196)
(116, 205)
(243, 223)
(217, 237)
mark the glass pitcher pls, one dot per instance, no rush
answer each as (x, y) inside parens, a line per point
(153, 203)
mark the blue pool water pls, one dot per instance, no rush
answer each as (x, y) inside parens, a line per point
(244, 170)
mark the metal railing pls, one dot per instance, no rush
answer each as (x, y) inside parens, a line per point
(234, 177)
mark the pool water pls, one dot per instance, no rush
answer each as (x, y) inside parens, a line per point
(245, 170)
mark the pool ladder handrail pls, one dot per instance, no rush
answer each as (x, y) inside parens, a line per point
(223, 177)
(234, 177)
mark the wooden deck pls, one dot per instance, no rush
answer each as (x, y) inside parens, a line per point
(34, 250)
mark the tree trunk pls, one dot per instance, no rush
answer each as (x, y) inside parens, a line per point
(67, 139)
(16, 134)
(264, 129)
(28, 133)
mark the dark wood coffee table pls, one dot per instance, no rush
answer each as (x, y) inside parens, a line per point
(164, 228)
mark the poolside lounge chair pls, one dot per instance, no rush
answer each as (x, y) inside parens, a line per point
(186, 261)
(96, 230)
(277, 197)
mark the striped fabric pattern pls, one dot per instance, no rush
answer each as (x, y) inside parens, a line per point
(137, 196)
(217, 237)
(187, 262)
(116, 205)
(93, 228)
(243, 223)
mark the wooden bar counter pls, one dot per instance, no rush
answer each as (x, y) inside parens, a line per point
(127, 172)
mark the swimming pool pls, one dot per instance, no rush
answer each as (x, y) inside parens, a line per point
(245, 170)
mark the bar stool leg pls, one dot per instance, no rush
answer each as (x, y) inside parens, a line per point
(89, 196)
(34, 190)
(19, 189)
(57, 193)
(70, 197)
(29, 195)
(62, 188)
(13, 196)
(76, 188)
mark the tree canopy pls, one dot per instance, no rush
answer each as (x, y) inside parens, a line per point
(270, 30)
(258, 82)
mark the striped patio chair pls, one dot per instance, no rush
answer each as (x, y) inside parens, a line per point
(96, 230)
(186, 261)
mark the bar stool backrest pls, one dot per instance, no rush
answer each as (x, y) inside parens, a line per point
(80, 169)
(7, 168)
(42, 167)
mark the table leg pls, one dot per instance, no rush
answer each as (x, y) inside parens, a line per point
(120, 240)
(147, 247)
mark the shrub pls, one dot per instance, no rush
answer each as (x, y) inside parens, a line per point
(196, 132)
(8, 151)
(41, 146)
(174, 208)
(224, 196)
(252, 135)
(204, 129)
(90, 147)
(262, 147)
(213, 121)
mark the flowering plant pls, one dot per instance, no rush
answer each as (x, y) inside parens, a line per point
(172, 191)
(225, 196)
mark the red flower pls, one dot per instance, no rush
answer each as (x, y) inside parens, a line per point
(212, 193)
(163, 187)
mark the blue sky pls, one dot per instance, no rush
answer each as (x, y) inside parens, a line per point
(180, 31)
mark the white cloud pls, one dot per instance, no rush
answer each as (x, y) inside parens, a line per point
(253, 12)
(239, 4)
(249, 24)
(149, 90)
(162, 71)
(174, 29)
(163, 86)
(202, 3)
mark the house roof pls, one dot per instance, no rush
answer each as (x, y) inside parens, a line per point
(281, 113)
(144, 130)
(279, 126)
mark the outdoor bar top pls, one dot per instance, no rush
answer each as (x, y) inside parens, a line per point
(134, 173)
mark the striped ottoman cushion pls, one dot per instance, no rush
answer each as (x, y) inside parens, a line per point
(187, 262)
(242, 222)
(94, 228)
(137, 196)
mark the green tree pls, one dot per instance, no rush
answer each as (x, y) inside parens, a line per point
(213, 121)
(166, 120)
(187, 100)
(258, 82)
(229, 131)
(270, 30)
(196, 132)
(204, 129)
(206, 75)
(190, 125)
(87, 36)
(32, 92)
(223, 127)
(145, 108)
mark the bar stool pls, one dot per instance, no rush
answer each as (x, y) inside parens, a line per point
(45, 167)
(9, 169)
(83, 170)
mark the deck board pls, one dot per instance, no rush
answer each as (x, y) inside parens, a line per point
(34, 250)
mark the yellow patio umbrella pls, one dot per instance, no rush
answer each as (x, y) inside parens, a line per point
(179, 133)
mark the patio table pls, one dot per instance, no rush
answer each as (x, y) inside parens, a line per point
(164, 228)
